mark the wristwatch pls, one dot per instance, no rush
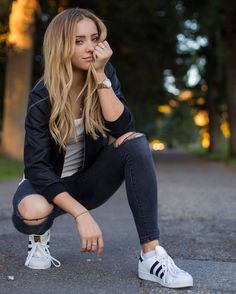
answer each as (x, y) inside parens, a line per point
(104, 84)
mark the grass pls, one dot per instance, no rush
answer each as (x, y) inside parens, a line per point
(215, 156)
(233, 163)
(10, 169)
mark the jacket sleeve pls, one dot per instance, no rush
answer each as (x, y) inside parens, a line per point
(38, 168)
(124, 123)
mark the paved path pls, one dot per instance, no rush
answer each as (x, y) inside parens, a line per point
(197, 213)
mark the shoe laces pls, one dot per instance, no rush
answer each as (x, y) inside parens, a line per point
(169, 266)
(43, 249)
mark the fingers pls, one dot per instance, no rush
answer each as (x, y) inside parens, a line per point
(83, 245)
(93, 245)
(90, 234)
(103, 48)
(101, 54)
(104, 45)
(99, 51)
(89, 245)
(100, 246)
(101, 45)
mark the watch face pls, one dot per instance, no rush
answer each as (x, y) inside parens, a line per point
(107, 83)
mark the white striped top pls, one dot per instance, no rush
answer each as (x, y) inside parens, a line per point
(74, 151)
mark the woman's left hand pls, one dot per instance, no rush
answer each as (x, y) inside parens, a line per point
(102, 53)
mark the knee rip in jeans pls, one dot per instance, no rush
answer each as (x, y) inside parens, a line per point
(34, 215)
(130, 136)
(35, 221)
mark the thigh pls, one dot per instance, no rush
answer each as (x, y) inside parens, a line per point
(100, 181)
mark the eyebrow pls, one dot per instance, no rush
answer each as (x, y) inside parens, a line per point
(93, 35)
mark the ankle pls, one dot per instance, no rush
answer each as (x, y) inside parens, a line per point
(149, 246)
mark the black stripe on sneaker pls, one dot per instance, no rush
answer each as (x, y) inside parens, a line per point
(158, 270)
(153, 266)
(161, 275)
(140, 258)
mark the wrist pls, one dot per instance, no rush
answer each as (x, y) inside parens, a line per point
(101, 76)
(76, 217)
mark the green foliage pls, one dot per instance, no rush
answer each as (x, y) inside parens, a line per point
(10, 169)
(142, 35)
(220, 156)
(144, 43)
(178, 128)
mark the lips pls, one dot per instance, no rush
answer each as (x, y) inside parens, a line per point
(89, 58)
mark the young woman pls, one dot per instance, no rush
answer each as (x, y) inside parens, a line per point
(71, 163)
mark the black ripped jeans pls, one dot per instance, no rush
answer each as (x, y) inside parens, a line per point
(130, 161)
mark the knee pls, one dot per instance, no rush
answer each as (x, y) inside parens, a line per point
(127, 136)
(34, 209)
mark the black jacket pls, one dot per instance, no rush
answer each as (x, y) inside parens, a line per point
(43, 158)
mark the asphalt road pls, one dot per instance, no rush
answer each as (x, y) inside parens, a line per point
(197, 216)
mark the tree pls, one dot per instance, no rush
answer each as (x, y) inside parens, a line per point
(206, 17)
(18, 75)
(229, 35)
(144, 43)
(217, 22)
(4, 17)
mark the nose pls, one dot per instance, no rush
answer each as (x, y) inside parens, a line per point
(90, 46)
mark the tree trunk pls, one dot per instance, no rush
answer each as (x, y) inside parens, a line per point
(213, 76)
(18, 76)
(231, 95)
(17, 85)
(230, 49)
(214, 119)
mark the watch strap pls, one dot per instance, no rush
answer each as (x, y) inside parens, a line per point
(106, 83)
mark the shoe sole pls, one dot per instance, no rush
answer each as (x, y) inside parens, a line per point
(37, 267)
(152, 278)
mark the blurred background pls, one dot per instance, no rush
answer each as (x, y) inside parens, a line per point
(176, 61)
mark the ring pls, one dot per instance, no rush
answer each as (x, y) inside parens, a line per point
(94, 244)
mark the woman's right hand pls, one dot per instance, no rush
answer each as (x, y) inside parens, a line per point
(90, 234)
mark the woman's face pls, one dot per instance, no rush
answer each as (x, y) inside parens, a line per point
(85, 42)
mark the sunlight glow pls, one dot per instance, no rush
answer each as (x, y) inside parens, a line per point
(204, 88)
(200, 101)
(201, 119)
(164, 109)
(225, 129)
(185, 95)
(20, 21)
(205, 139)
(157, 145)
(169, 82)
(193, 76)
(173, 103)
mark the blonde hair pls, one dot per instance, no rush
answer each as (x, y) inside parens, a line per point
(58, 48)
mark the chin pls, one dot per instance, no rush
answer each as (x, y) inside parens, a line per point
(86, 66)
(82, 67)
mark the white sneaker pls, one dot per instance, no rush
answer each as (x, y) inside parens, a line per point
(39, 256)
(161, 268)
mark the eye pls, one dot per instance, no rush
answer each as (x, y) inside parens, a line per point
(78, 42)
(95, 39)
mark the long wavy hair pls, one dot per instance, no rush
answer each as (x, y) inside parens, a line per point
(58, 48)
